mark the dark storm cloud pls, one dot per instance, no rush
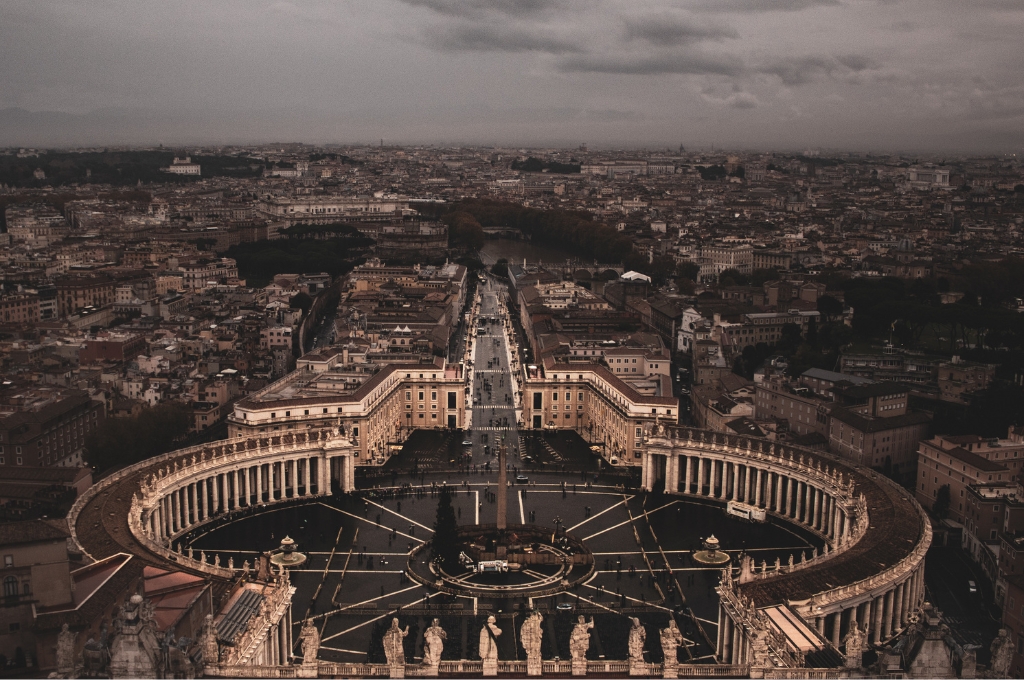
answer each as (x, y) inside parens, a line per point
(669, 30)
(753, 6)
(803, 70)
(463, 8)
(489, 38)
(647, 65)
(760, 73)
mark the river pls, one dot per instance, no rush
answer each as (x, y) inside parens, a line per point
(514, 251)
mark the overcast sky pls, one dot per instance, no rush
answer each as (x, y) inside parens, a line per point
(743, 74)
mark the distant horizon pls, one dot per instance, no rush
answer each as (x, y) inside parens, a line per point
(7, 142)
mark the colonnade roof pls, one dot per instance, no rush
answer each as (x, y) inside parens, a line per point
(895, 526)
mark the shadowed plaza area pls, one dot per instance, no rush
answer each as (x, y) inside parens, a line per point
(358, 547)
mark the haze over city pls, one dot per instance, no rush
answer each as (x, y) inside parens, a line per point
(916, 75)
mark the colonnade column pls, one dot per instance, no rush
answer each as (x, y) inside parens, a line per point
(700, 476)
(897, 607)
(175, 518)
(215, 505)
(817, 509)
(225, 500)
(259, 483)
(877, 605)
(790, 508)
(687, 461)
(779, 483)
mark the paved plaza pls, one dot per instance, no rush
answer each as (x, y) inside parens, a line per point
(358, 545)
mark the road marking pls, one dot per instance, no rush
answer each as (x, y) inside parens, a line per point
(612, 507)
(476, 504)
(398, 514)
(522, 517)
(616, 526)
(372, 523)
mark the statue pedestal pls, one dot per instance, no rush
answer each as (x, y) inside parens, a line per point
(670, 670)
(490, 668)
(533, 666)
(429, 671)
(579, 667)
(397, 670)
(637, 668)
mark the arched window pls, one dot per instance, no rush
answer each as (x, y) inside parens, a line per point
(10, 587)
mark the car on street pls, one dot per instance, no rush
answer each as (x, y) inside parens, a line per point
(564, 606)
(972, 587)
(466, 442)
(522, 479)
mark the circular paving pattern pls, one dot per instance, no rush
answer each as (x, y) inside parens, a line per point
(640, 548)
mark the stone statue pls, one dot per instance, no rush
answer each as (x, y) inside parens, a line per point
(671, 638)
(96, 657)
(579, 641)
(310, 637)
(855, 644)
(394, 648)
(211, 650)
(637, 638)
(489, 641)
(531, 634)
(1002, 655)
(433, 644)
(66, 652)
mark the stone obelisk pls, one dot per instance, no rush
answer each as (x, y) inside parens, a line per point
(502, 487)
(502, 500)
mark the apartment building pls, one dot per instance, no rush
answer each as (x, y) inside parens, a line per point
(41, 427)
(961, 461)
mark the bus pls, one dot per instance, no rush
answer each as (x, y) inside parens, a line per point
(747, 512)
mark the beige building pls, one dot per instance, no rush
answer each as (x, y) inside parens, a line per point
(603, 408)
(36, 573)
(377, 410)
(962, 461)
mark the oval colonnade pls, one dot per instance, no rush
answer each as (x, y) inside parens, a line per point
(868, 580)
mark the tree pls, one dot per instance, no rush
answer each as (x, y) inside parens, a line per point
(445, 544)
(942, 502)
(829, 308)
(301, 300)
(464, 231)
(500, 268)
(123, 441)
(732, 277)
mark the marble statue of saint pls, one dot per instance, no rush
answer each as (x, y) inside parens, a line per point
(671, 638)
(433, 644)
(394, 649)
(579, 641)
(1002, 654)
(531, 634)
(211, 650)
(489, 640)
(66, 652)
(310, 643)
(637, 638)
(855, 644)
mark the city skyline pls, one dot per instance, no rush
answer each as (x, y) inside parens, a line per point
(863, 76)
